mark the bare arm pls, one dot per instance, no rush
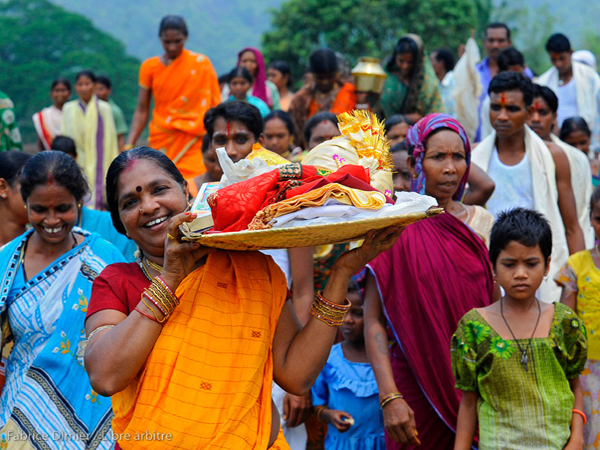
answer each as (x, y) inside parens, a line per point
(140, 116)
(481, 187)
(397, 416)
(569, 298)
(467, 421)
(121, 141)
(303, 284)
(566, 200)
(299, 354)
(576, 440)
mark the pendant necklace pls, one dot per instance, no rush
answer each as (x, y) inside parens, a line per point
(524, 357)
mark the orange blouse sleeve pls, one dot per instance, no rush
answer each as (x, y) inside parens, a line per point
(145, 78)
(345, 100)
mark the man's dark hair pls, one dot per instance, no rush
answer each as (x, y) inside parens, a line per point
(496, 25)
(236, 111)
(323, 62)
(548, 95)
(512, 81)
(104, 80)
(510, 57)
(558, 43)
(527, 227)
(445, 56)
(64, 144)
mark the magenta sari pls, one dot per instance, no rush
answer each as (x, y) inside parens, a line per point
(437, 271)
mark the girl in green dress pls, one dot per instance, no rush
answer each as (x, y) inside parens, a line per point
(518, 360)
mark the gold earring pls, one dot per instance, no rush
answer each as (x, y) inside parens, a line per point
(141, 211)
(25, 206)
(79, 205)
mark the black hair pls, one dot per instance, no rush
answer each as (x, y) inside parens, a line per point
(85, 73)
(284, 68)
(558, 43)
(224, 79)
(595, 198)
(284, 117)
(354, 286)
(61, 80)
(172, 23)
(104, 80)
(401, 146)
(64, 144)
(316, 120)
(445, 56)
(405, 45)
(205, 143)
(397, 119)
(121, 163)
(548, 95)
(525, 226)
(323, 62)
(497, 25)
(512, 81)
(240, 72)
(574, 124)
(235, 111)
(11, 165)
(510, 57)
(53, 166)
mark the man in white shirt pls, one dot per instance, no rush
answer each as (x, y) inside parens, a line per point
(576, 85)
(527, 171)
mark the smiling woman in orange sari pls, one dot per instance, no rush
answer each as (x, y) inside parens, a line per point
(184, 86)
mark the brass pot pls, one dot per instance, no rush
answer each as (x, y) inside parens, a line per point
(368, 75)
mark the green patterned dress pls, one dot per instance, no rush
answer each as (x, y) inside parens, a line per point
(518, 409)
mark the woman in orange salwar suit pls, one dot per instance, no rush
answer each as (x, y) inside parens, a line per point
(184, 86)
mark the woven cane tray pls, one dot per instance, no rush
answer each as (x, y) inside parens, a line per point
(311, 235)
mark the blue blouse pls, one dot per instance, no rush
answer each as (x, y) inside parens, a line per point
(255, 101)
(351, 387)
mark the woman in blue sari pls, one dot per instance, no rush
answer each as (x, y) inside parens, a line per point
(46, 281)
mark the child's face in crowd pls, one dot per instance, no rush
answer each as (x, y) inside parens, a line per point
(60, 95)
(276, 137)
(234, 136)
(84, 88)
(102, 92)
(397, 133)
(401, 176)
(352, 328)
(239, 87)
(520, 270)
(579, 139)
(596, 219)
(213, 168)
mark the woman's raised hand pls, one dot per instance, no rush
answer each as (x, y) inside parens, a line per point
(375, 243)
(180, 257)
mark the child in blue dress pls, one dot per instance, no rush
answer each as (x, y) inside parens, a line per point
(345, 394)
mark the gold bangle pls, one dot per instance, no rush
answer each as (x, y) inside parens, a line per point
(328, 312)
(154, 312)
(128, 146)
(388, 398)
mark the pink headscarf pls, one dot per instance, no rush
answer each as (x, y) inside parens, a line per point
(260, 87)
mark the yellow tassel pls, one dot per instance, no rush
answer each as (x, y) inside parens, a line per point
(367, 135)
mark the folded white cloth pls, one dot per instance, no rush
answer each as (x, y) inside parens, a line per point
(335, 212)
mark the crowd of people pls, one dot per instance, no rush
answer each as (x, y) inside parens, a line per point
(475, 328)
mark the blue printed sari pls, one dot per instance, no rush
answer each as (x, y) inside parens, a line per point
(47, 401)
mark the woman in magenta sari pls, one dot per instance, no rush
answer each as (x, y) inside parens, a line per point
(418, 290)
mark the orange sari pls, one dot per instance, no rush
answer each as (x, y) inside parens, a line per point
(207, 382)
(183, 91)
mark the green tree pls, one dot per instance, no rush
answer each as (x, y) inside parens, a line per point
(363, 27)
(40, 41)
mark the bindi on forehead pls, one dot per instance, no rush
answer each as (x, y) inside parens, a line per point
(228, 128)
(138, 189)
(503, 99)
